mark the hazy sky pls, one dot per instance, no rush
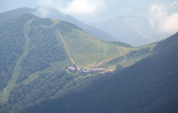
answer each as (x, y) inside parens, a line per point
(162, 14)
(90, 10)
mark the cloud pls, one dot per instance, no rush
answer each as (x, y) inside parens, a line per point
(174, 4)
(164, 18)
(50, 3)
(42, 11)
(76, 7)
(84, 7)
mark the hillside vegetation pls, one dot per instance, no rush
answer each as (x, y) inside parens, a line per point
(149, 86)
(35, 53)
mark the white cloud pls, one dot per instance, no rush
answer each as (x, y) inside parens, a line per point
(49, 3)
(76, 7)
(170, 24)
(43, 11)
(175, 3)
(164, 18)
(84, 7)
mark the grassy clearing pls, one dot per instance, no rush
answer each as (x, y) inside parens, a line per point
(85, 49)
(88, 51)
(130, 62)
(67, 61)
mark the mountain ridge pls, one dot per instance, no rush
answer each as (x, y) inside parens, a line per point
(55, 14)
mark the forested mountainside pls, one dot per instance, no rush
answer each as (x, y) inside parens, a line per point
(36, 54)
(149, 86)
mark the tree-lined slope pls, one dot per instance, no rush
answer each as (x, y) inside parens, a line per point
(12, 44)
(32, 46)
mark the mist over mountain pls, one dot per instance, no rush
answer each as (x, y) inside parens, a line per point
(146, 23)
(123, 31)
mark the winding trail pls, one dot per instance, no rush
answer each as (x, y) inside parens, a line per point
(90, 65)
(65, 45)
(30, 80)
(104, 61)
(6, 94)
(5, 90)
(123, 61)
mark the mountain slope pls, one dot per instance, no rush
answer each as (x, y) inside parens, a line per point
(35, 55)
(38, 45)
(149, 86)
(85, 49)
(46, 12)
